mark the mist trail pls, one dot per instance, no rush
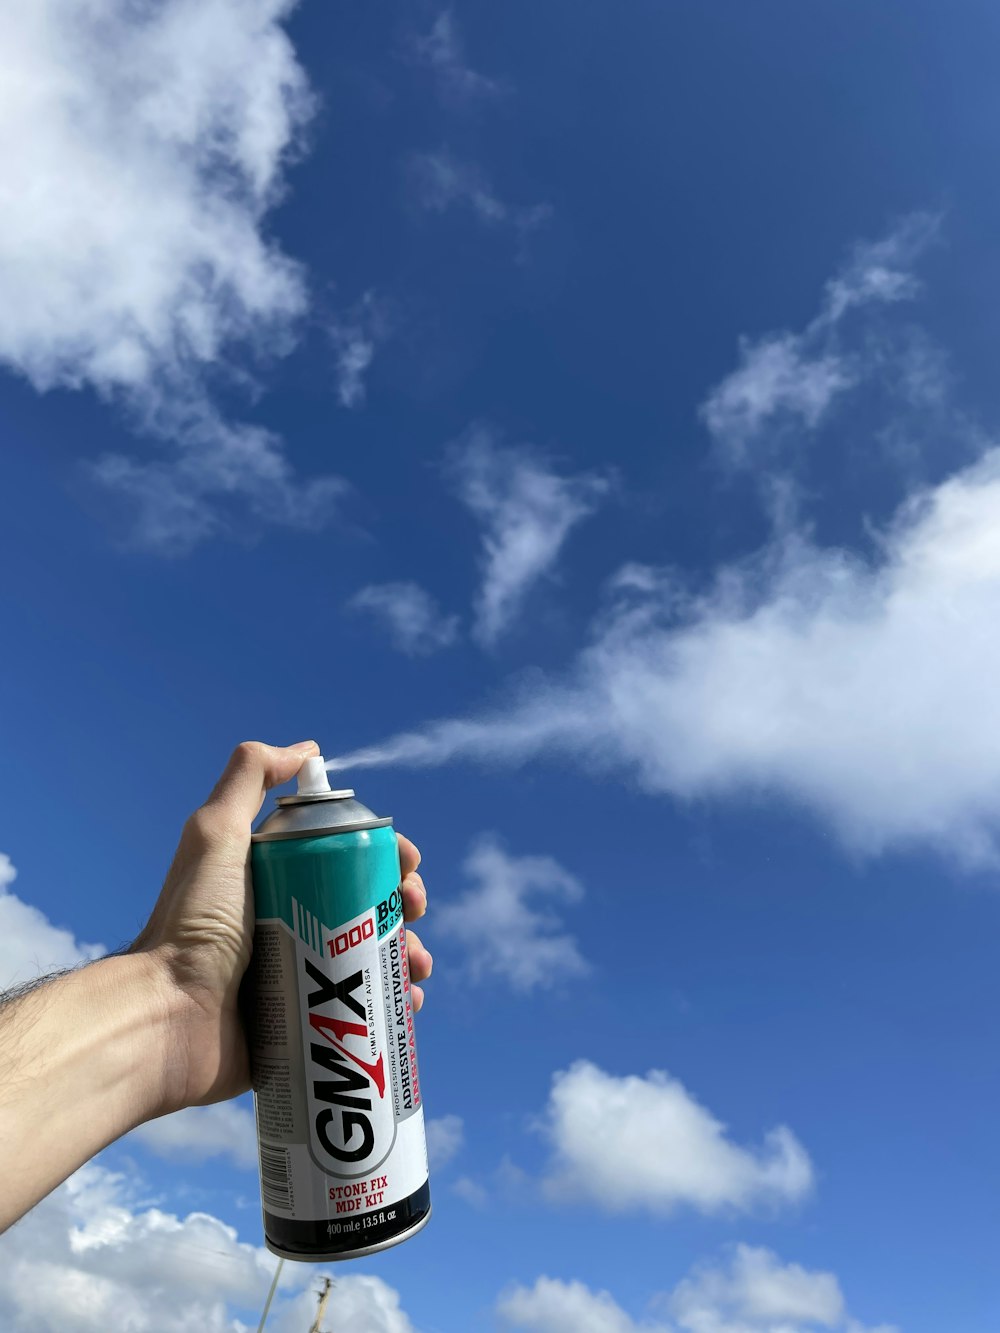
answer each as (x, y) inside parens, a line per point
(529, 727)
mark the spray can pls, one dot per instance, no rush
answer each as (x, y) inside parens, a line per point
(340, 1121)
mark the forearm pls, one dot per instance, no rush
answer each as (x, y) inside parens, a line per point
(83, 1059)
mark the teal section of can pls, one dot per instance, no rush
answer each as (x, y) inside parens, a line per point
(336, 876)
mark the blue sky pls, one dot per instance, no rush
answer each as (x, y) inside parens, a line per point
(581, 419)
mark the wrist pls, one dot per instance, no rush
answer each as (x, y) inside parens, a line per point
(160, 1013)
(194, 1026)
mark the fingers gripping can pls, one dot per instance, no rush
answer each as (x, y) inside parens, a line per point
(340, 1122)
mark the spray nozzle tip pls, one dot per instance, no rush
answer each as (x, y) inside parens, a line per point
(312, 777)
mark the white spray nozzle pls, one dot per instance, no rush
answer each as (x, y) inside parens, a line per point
(312, 777)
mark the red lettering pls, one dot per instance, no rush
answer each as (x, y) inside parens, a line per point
(320, 1023)
(337, 1026)
(349, 939)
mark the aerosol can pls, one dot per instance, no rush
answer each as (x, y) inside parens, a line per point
(340, 1122)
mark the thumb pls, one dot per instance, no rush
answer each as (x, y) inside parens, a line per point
(253, 769)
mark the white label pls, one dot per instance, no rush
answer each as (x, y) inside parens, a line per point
(339, 1115)
(351, 1121)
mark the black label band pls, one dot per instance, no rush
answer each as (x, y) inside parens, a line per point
(339, 1238)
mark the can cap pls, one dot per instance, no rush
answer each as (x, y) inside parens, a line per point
(313, 780)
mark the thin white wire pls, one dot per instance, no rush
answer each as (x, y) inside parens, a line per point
(270, 1296)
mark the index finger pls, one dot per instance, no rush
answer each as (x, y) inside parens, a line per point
(409, 856)
(253, 769)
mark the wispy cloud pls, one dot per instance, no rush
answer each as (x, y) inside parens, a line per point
(355, 335)
(142, 153)
(413, 619)
(627, 1144)
(751, 1290)
(471, 1191)
(445, 1137)
(527, 511)
(206, 475)
(442, 52)
(796, 378)
(529, 947)
(197, 1133)
(440, 182)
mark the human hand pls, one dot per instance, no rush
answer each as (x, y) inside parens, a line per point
(200, 933)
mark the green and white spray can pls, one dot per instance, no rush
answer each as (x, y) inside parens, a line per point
(340, 1121)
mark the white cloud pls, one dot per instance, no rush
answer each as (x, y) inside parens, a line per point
(860, 688)
(203, 483)
(225, 1129)
(441, 51)
(357, 1302)
(355, 335)
(776, 374)
(414, 620)
(528, 946)
(554, 1306)
(440, 182)
(141, 150)
(30, 945)
(753, 1292)
(628, 1143)
(527, 511)
(757, 1293)
(445, 1137)
(879, 271)
(796, 377)
(471, 1191)
(506, 1181)
(90, 1258)
(143, 147)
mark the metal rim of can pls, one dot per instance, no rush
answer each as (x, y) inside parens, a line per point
(308, 798)
(321, 832)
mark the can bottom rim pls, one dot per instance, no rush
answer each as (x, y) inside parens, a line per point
(341, 1255)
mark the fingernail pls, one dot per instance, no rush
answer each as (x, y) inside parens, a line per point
(303, 745)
